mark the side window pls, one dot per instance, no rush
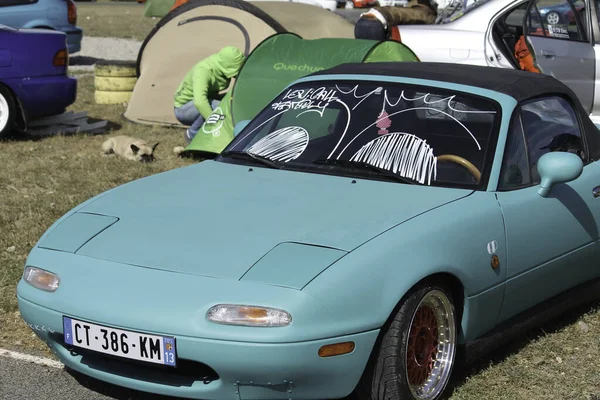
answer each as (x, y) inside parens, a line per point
(515, 165)
(557, 19)
(550, 124)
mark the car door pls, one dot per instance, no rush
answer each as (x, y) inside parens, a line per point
(561, 45)
(552, 241)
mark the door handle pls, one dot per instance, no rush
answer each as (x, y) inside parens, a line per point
(548, 54)
(596, 191)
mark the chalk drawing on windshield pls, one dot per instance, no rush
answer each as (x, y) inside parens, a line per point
(283, 145)
(401, 153)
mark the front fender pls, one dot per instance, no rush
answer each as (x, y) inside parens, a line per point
(363, 288)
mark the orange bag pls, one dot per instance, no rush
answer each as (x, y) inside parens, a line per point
(396, 34)
(524, 57)
(177, 4)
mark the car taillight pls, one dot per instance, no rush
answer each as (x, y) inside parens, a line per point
(72, 12)
(61, 59)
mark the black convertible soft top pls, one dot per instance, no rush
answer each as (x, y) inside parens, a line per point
(520, 85)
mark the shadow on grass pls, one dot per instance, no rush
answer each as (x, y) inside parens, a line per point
(37, 135)
(83, 60)
(511, 341)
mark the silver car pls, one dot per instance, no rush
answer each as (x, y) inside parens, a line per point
(563, 36)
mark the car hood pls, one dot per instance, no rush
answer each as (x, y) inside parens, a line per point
(217, 219)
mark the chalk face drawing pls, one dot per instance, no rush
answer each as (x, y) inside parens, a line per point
(378, 124)
(284, 145)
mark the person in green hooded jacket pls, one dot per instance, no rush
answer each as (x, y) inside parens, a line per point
(198, 93)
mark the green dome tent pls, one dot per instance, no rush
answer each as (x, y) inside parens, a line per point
(271, 66)
(157, 8)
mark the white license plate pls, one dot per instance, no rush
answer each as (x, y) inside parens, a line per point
(117, 342)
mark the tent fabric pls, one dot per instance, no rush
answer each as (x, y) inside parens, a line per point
(192, 4)
(308, 21)
(274, 64)
(200, 28)
(177, 45)
(157, 8)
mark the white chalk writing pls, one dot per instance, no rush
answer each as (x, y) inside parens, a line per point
(304, 99)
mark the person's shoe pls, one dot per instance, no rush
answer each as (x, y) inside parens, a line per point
(189, 136)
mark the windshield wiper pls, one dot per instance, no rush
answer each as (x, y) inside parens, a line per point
(361, 165)
(242, 155)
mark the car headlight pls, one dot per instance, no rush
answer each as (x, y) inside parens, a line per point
(41, 279)
(231, 314)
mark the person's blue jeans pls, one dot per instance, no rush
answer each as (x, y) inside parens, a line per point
(189, 115)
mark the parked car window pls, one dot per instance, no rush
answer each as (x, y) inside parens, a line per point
(550, 124)
(515, 165)
(7, 3)
(557, 19)
(399, 128)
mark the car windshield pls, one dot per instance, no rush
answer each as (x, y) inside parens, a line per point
(379, 130)
(456, 9)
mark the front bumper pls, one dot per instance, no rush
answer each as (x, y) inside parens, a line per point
(261, 361)
(245, 370)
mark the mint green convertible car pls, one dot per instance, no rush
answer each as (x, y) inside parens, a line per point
(372, 220)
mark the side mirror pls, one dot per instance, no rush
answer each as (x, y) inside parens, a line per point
(240, 126)
(558, 167)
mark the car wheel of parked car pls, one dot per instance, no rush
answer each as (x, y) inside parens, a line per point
(349, 4)
(552, 18)
(416, 353)
(7, 111)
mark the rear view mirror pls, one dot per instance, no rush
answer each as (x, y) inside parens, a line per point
(240, 126)
(558, 167)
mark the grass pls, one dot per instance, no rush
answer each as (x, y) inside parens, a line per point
(41, 180)
(122, 20)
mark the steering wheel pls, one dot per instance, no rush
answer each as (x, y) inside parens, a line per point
(463, 163)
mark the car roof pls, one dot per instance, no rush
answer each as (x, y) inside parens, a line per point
(520, 85)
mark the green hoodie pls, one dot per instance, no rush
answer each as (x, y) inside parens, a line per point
(207, 78)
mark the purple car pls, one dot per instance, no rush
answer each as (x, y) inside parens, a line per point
(33, 76)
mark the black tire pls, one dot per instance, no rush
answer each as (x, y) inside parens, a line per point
(8, 112)
(387, 376)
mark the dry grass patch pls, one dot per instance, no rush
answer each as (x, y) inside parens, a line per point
(559, 361)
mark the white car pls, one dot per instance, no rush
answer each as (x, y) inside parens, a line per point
(560, 34)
